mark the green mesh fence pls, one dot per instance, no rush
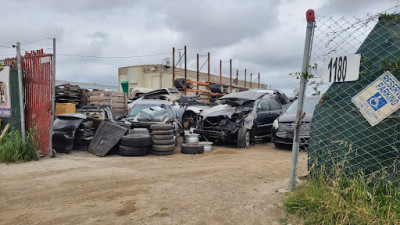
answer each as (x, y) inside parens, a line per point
(340, 133)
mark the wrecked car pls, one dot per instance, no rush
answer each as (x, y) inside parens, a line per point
(145, 112)
(184, 107)
(242, 117)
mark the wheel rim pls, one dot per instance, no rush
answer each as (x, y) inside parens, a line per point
(247, 139)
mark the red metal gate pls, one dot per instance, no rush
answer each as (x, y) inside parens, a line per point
(37, 69)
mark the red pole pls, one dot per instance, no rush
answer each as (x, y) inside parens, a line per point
(184, 83)
(251, 79)
(230, 73)
(173, 66)
(237, 78)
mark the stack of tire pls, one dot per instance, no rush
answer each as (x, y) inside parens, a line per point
(137, 143)
(192, 145)
(163, 139)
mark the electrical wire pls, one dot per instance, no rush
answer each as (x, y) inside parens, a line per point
(112, 57)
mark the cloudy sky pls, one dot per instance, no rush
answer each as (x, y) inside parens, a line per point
(259, 35)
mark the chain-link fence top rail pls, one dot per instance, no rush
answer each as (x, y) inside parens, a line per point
(340, 134)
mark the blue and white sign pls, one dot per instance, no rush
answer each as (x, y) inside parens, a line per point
(379, 99)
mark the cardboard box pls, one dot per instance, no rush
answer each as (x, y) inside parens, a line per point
(64, 108)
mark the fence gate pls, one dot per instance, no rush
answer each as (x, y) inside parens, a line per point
(37, 72)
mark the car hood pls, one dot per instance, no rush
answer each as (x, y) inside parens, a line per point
(219, 110)
(291, 117)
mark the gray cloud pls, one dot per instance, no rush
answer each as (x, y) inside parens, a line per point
(262, 36)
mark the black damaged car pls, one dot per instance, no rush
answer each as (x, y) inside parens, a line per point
(242, 117)
(283, 127)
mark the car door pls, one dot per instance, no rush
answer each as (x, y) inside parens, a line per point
(268, 109)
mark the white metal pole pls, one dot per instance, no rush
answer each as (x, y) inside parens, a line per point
(21, 90)
(300, 101)
(53, 98)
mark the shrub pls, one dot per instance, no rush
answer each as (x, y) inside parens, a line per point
(14, 149)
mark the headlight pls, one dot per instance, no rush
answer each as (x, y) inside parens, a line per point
(275, 124)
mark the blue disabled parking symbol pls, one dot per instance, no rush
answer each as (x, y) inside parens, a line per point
(377, 101)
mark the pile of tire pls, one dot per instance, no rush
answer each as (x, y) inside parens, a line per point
(137, 143)
(163, 139)
(192, 145)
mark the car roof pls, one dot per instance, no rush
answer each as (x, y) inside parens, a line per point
(250, 94)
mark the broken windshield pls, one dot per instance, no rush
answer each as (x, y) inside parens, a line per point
(137, 109)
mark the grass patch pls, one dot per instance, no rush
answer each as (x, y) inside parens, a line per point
(14, 149)
(344, 200)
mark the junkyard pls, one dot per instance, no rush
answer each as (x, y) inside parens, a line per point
(192, 120)
(224, 186)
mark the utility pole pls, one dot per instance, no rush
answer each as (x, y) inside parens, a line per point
(21, 90)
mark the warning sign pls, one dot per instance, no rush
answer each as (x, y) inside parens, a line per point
(379, 99)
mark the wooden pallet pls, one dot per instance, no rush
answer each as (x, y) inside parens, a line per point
(116, 100)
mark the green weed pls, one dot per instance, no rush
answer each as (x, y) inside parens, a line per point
(14, 149)
(342, 200)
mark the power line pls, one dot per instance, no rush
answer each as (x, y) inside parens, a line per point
(30, 42)
(3, 46)
(113, 57)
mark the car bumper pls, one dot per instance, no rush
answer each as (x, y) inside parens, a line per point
(211, 134)
(285, 136)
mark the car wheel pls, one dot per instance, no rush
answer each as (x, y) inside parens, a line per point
(163, 137)
(162, 132)
(136, 140)
(163, 148)
(192, 148)
(278, 145)
(164, 142)
(243, 139)
(161, 127)
(132, 151)
(163, 152)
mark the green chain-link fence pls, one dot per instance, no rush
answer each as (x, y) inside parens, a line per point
(340, 133)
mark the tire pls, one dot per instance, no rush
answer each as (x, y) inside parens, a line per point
(162, 126)
(278, 145)
(163, 153)
(133, 151)
(192, 148)
(139, 131)
(162, 132)
(178, 83)
(136, 140)
(163, 148)
(216, 88)
(243, 138)
(163, 142)
(163, 137)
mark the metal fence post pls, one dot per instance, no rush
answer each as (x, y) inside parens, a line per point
(53, 104)
(21, 90)
(303, 81)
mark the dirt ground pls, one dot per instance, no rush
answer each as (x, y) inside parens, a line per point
(224, 186)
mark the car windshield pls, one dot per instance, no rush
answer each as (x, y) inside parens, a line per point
(309, 105)
(138, 108)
